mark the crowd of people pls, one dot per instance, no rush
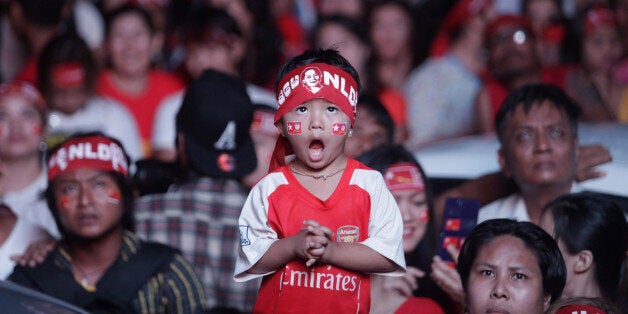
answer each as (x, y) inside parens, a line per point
(212, 156)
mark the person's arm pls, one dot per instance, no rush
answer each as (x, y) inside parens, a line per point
(484, 112)
(357, 257)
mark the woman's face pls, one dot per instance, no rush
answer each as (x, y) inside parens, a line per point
(349, 45)
(390, 31)
(131, 45)
(21, 128)
(601, 49)
(505, 278)
(415, 215)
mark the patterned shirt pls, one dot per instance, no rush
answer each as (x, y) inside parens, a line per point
(200, 218)
(173, 288)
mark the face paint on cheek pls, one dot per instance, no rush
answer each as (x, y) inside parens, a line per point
(113, 197)
(64, 203)
(339, 129)
(37, 129)
(424, 216)
(294, 128)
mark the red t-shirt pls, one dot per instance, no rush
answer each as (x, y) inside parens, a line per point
(143, 105)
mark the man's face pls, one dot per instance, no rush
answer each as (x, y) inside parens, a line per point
(89, 202)
(511, 51)
(539, 147)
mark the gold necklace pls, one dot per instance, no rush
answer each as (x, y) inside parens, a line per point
(316, 176)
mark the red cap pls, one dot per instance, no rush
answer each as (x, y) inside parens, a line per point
(458, 15)
(508, 19)
(597, 17)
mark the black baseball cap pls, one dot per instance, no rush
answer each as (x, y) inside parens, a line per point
(214, 118)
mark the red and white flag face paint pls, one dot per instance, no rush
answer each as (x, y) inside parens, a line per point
(424, 216)
(37, 128)
(339, 129)
(294, 128)
(113, 197)
(64, 203)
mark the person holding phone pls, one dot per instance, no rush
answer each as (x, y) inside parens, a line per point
(408, 184)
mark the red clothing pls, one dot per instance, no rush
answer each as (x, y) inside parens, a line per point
(29, 72)
(419, 305)
(498, 92)
(142, 106)
(395, 104)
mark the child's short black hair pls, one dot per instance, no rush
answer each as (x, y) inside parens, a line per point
(329, 56)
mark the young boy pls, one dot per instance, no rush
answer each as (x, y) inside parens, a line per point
(315, 227)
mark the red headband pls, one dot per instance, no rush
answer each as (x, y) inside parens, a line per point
(404, 176)
(68, 75)
(317, 80)
(26, 90)
(580, 309)
(92, 152)
(598, 17)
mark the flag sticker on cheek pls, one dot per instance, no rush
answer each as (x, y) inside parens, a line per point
(424, 216)
(294, 128)
(113, 197)
(37, 128)
(64, 203)
(339, 129)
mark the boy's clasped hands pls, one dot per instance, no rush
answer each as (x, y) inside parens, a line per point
(314, 241)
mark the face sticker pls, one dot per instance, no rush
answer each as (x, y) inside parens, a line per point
(294, 128)
(226, 162)
(339, 129)
(37, 129)
(113, 197)
(64, 203)
(424, 216)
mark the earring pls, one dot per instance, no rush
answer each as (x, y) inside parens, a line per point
(350, 132)
(42, 146)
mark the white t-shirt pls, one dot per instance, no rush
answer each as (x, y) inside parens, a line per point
(22, 235)
(100, 114)
(29, 204)
(511, 207)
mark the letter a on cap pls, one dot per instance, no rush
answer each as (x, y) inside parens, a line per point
(227, 139)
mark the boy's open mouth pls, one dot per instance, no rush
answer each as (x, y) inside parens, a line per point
(316, 149)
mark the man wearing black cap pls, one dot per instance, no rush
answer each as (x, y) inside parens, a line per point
(199, 214)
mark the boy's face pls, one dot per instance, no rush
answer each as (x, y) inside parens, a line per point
(317, 131)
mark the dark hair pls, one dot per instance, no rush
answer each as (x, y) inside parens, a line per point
(129, 9)
(352, 26)
(208, 24)
(380, 158)
(124, 183)
(47, 13)
(589, 221)
(382, 117)
(534, 94)
(329, 56)
(545, 249)
(61, 49)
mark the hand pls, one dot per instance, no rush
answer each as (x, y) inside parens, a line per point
(590, 156)
(406, 284)
(36, 253)
(317, 237)
(447, 278)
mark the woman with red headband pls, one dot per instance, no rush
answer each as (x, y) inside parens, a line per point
(319, 223)
(24, 215)
(100, 265)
